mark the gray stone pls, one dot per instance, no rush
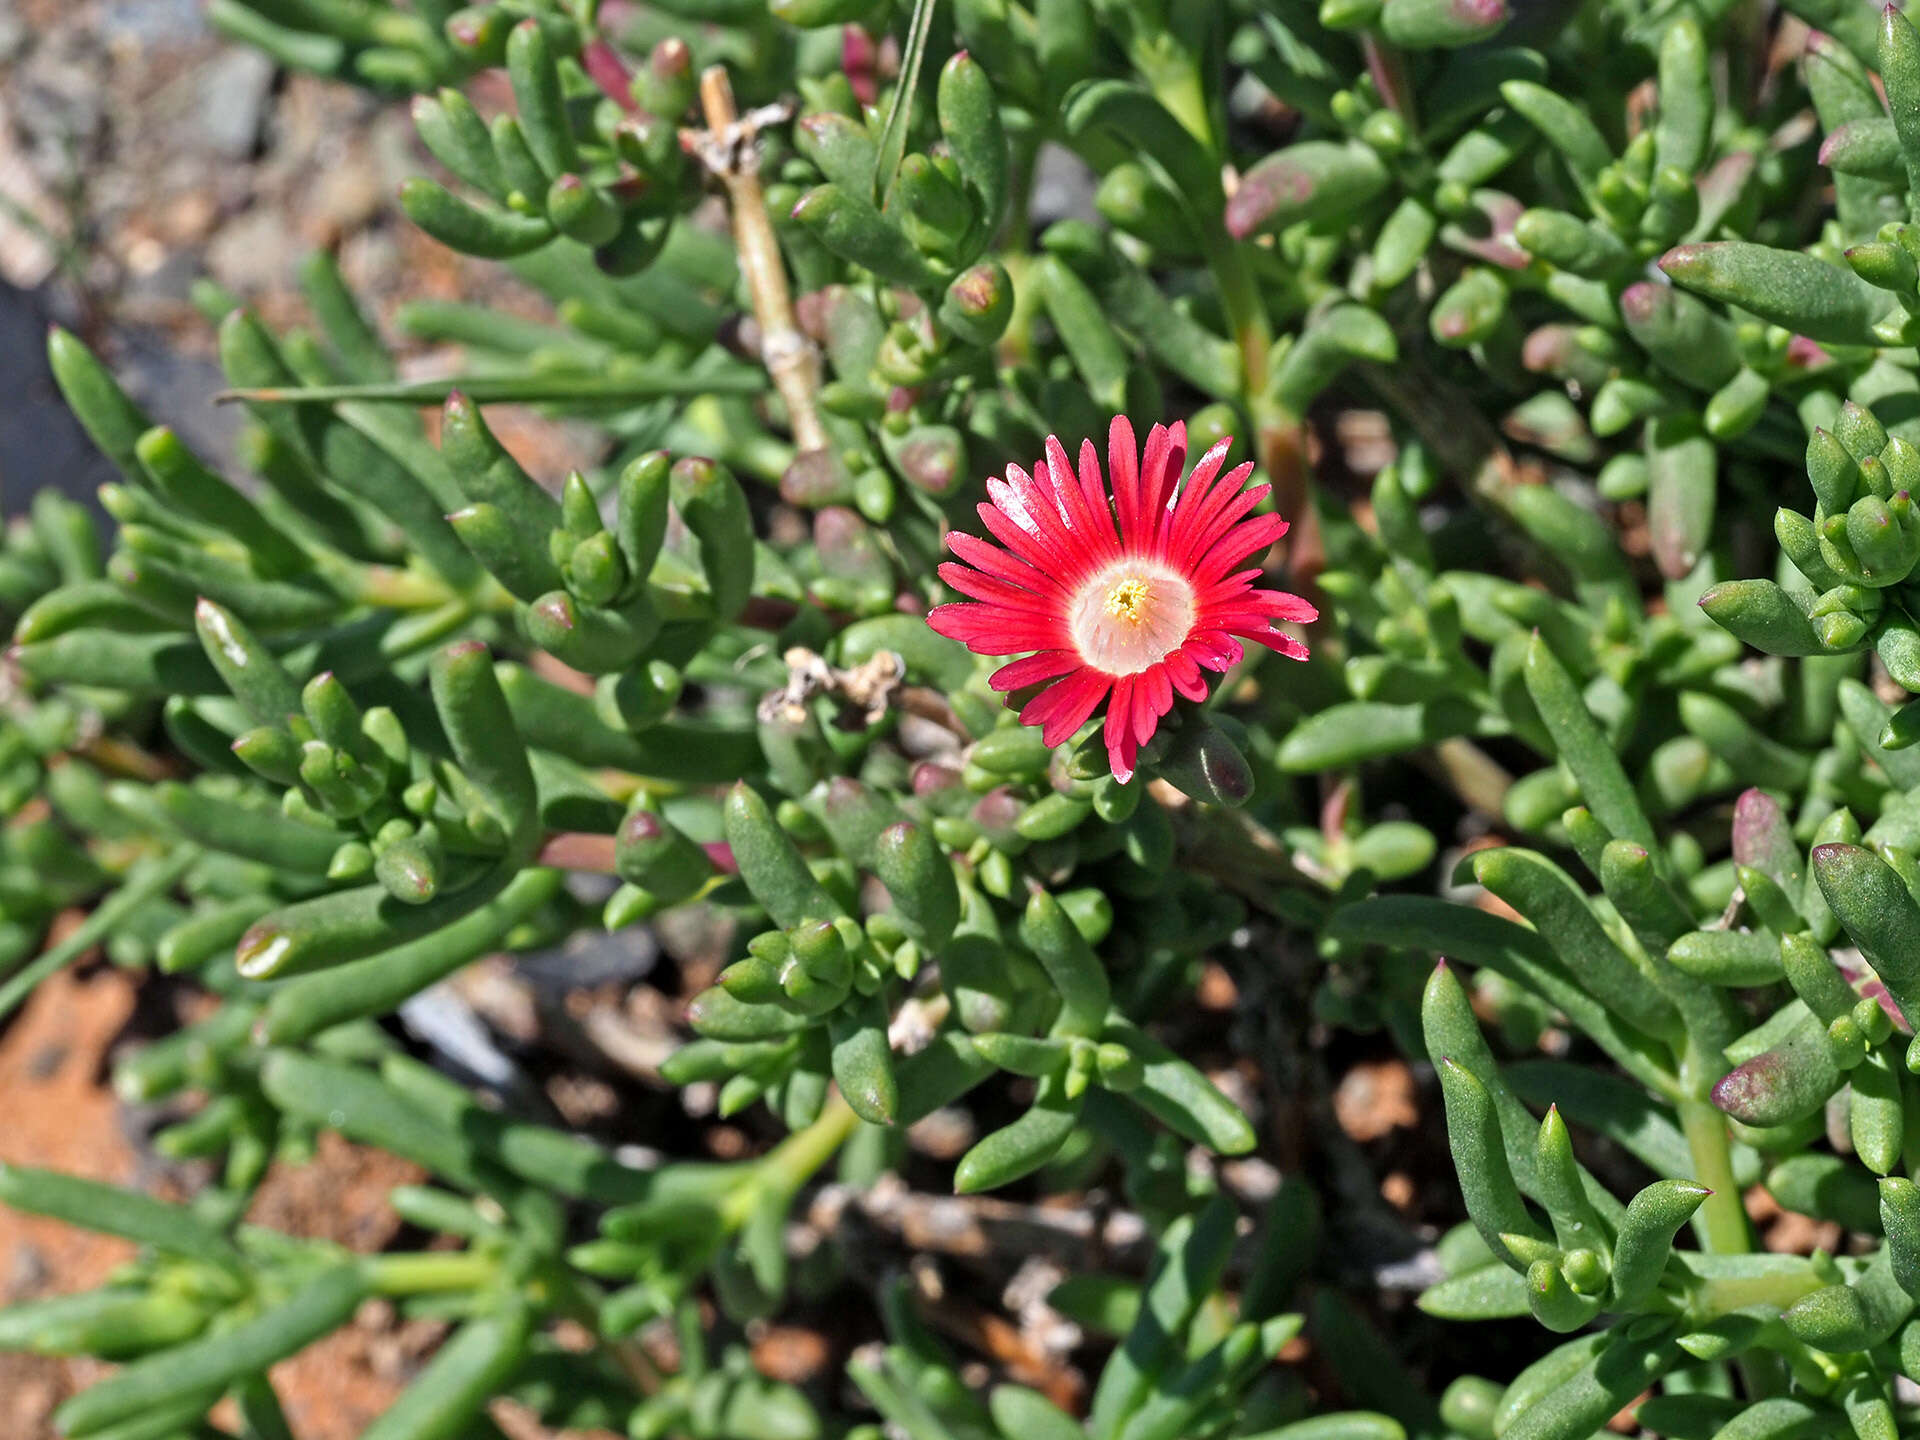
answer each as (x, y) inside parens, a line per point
(13, 32)
(234, 87)
(177, 389)
(589, 959)
(153, 22)
(255, 252)
(41, 444)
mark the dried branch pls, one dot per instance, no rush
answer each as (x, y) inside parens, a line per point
(730, 149)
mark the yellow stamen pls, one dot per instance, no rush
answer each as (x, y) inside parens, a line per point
(1128, 600)
(1126, 617)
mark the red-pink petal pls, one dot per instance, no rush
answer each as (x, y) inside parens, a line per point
(990, 630)
(1206, 519)
(996, 592)
(1186, 676)
(1039, 501)
(1207, 468)
(1031, 671)
(1160, 467)
(1040, 708)
(1088, 500)
(1122, 749)
(1214, 649)
(1092, 534)
(1125, 481)
(1278, 640)
(995, 561)
(1152, 698)
(1162, 486)
(1229, 544)
(1031, 506)
(1010, 532)
(1120, 720)
(1083, 692)
(1286, 606)
(1093, 489)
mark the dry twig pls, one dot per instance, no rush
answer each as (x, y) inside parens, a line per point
(729, 147)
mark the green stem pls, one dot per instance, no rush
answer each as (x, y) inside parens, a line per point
(1723, 1295)
(1016, 344)
(792, 1162)
(431, 1272)
(1176, 82)
(706, 427)
(146, 880)
(1246, 311)
(579, 1300)
(1723, 1220)
(527, 389)
(1019, 221)
(1389, 72)
(391, 588)
(1278, 443)
(1479, 780)
(795, 1159)
(1178, 87)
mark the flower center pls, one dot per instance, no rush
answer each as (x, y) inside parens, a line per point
(1128, 600)
(1131, 616)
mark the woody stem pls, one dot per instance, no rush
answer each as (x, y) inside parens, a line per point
(790, 357)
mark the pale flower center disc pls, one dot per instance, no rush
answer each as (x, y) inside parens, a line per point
(1131, 616)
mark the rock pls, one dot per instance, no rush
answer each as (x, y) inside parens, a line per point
(589, 960)
(344, 198)
(234, 87)
(41, 444)
(255, 252)
(13, 34)
(175, 387)
(160, 23)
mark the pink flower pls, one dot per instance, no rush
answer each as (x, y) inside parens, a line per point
(1125, 594)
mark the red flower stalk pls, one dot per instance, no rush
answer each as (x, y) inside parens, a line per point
(1124, 594)
(607, 70)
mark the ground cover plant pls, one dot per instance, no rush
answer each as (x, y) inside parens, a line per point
(986, 626)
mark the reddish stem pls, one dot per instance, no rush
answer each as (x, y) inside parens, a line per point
(582, 850)
(577, 850)
(609, 72)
